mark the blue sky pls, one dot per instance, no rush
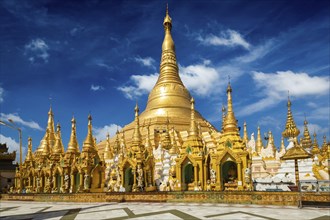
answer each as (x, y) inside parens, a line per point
(99, 57)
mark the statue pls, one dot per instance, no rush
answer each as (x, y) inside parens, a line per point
(208, 186)
(140, 178)
(38, 184)
(86, 182)
(247, 175)
(213, 176)
(66, 182)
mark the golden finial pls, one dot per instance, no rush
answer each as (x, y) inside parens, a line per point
(136, 142)
(73, 146)
(245, 134)
(58, 147)
(291, 129)
(89, 143)
(259, 144)
(29, 156)
(230, 122)
(306, 140)
(315, 149)
(107, 151)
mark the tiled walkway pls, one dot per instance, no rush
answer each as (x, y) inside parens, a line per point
(159, 211)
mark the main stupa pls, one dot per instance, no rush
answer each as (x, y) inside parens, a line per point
(169, 102)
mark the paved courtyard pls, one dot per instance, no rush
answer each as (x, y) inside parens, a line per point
(159, 211)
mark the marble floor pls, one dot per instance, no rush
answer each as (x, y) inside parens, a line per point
(159, 211)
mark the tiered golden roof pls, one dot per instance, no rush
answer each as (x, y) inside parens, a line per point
(89, 143)
(306, 142)
(73, 146)
(291, 129)
(259, 144)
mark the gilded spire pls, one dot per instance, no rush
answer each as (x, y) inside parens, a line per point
(291, 129)
(193, 128)
(315, 148)
(282, 148)
(117, 143)
(230, 120)
(259, 144)
(324, 145)
(194, 141)
(169, 91)
(73, 146)
(271, 142)
(44, 145)
(136, 142)
(245, 135)
(89, 143)
(51, 129)
(306, 142)
(107, 150)
(29, 156)
(223, 109)
(58, 147)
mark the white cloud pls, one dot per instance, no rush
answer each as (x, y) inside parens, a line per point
(228, 38)
(101, 133)
(201, 79)
(18, 120)
(142, 84)
(256, 52)
(299, 84)
(147, 61)
(12, 146)
(37, 50)
(275, 87)
(2, 91)
(96, 87)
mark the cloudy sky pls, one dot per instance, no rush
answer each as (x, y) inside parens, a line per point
(99, 57)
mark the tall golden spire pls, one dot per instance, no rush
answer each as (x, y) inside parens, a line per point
(306, 142)
(58, 147)
(107, 151)
(194, 141)
(193, 129)
(51, 129)
(291, 129)
(230, 120)
(259, 144)
(136, 141)
(315, 148)
(271, 142)
(44, 145)
(117, 143)
(29, 156)
(148, 144)
(324, 147)
(89, 143)
(73, 146)
(282, 148)
(223, 109)
(169, 94)
(245, 135)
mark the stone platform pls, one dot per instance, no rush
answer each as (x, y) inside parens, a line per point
(234, 197)
(14, 210)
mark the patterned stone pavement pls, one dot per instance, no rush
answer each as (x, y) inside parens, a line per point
(159, 211)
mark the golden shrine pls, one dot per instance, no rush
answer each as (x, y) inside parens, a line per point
(168, 147)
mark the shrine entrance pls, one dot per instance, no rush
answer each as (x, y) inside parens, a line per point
(187, 176)
(229, 175)
(128, 179)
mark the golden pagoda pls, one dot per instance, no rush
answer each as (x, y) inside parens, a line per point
(168, 147)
